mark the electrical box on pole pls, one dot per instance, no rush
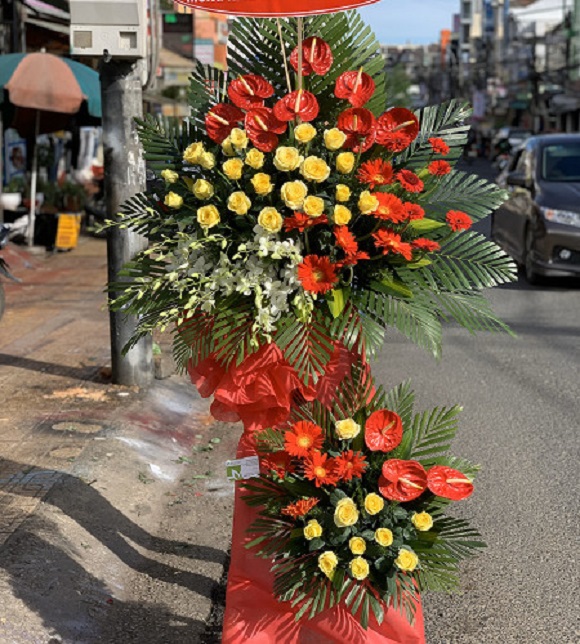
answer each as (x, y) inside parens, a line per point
(119, 33)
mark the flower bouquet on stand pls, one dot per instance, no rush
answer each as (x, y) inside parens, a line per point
(297, 218)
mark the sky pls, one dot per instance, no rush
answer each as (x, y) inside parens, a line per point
(397, 22)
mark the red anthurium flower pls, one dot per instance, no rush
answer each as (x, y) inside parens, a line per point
(391, 243)
(439, 168)
(316, 57)
(458, 220)
(263, 128)
(383, 431)
(397, 129)
(249, 91)
(402, 480)
(303, 438)
(427, 245)
(221, 120)
(358, 124)
(390, 208)
(413, 210)
(449, 483)
(439, 146)
(375, 173)
(300, 104)
(317, 274)
(350, 465)
(410, 181)
(300, 222)
(279, 462)
(355, 87)
(300, 508)
(321, 469)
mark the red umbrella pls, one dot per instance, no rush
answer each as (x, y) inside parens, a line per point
(274, 8)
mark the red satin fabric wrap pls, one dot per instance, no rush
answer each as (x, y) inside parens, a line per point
(259, 392)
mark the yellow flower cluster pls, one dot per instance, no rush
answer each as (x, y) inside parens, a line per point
(196, 154)
(347, 429)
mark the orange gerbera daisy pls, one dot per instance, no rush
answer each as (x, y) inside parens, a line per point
(375, 173)
(279, 462)
(439, 168)
(350, 465)
(303, 438)
(321, 469)
(300, 508)
(410, 181)
(413, 210)
(317, 274)
(427, 245)
(345, 240)
(390, 242)
(458, 220)
(439, 146)
(390, 208)
(300, 222)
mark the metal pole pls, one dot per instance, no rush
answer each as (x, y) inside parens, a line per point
(122, 101)
(32, 212)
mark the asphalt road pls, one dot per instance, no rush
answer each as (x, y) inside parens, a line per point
(520, 422)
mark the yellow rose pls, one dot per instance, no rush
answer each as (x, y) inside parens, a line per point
(374, 503)
(270, 219)
(262, 183)
(239, 203)
(367, 202)
(287, 159)
(357, 545)
(193, 153)
(315, 169)
(207, 160)
(233, 169)
(313, 530)
(169, 175)
(407, 560)
(423, 521)
(228, 147)
(347, 429)
(293, 194)
(342, 192)
(202, 189)
(173, 200)
(334, 139)
(304, 132)
(345, 162)
(254, 158)
(384, 537)
(346, 513)
(359, 568)
(313, 206)
(327, 562)
(239, 138)
(342, 215)
(208, 216)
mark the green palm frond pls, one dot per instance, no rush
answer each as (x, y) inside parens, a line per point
(447, 121)
(306, 346)
(163, 140)
(465, 192)
(401, 400)
(471, 310)
(431, 434)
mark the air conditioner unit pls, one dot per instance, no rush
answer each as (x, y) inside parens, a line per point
(115, 27)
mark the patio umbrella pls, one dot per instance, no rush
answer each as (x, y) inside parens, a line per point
(48, 85)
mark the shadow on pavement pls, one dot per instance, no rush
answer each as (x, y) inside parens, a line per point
(90, 373)
(42, 574)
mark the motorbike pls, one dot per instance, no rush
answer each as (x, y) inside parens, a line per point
(4, 272)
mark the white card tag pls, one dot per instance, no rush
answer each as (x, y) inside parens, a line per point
(243, 468)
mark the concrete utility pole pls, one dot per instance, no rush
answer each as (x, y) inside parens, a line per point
(122, 101)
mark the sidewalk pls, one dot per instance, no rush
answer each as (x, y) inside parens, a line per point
(114, 508)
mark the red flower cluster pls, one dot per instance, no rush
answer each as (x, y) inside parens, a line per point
(317, 274)
(263, 128)
(390, 208)
(383, 431)
(397, 129)
(427, 245)
(279, 462)
(359, 125)
(407, 480)
(375, 173)
(410, 181)
(390, 243)
(316, 57)
(300, 222)
(346, 241)
(355, 87)
(413, 210)
(300, 104)
(439, 146)
(303, 438)
(249, 91)
(439, 168)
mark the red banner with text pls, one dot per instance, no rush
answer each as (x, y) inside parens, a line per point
(274, 8)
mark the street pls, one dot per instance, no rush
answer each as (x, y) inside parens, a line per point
(116, 514)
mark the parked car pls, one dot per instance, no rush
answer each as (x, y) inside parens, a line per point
(539, 225)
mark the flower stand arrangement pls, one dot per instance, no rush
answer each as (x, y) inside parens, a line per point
(297, 218)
